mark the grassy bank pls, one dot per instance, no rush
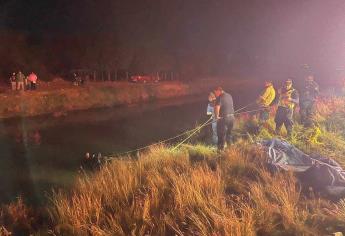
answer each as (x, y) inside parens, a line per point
(45, 101)
(194, 190)
(60, 98)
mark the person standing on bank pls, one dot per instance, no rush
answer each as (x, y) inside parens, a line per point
(309, 96)
(33, 80)
(210, 112)
(13, 81)
(264, 102)
(20, 77)
(224, 113)
(288, 99)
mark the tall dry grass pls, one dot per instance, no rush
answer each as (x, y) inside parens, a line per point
(196, 191)
(169, 192)
(160, 194)
(17, 218)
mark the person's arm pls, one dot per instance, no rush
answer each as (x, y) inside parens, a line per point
(217, 108)
(210, 109)
(295, 97)
(261, 97)
(264, 94)
(216, 111)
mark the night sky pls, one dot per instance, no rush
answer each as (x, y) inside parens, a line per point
(273, 37)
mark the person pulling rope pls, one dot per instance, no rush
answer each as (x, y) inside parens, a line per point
(190, 134)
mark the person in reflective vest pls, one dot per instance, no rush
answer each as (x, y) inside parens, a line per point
(288, 99)
(309, 95)
(265, 100)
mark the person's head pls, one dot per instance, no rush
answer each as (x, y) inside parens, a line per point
(13, 73)
(288, 84)
(309, 78)
(218, 91)
(268, 83)
(211, 97)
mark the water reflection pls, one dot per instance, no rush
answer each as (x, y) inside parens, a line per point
(44, 152)
(33, 137)
(41, 153)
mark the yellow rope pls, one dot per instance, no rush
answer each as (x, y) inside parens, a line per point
(191, 133)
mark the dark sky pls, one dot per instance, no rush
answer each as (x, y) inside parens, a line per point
(272, 34)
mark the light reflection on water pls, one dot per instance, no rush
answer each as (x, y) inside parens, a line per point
(39, 153)
(44, 152)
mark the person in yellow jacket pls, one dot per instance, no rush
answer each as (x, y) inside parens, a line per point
(265, 100)
(288, 99)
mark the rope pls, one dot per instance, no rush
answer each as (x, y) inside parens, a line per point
(213, 122)
(240, 109)
(259, 109)
(164, 140)
(197, 130)
(191, 133)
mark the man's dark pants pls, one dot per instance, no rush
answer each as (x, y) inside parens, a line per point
(284, 116)
(307, 111)
(224, 128)
(33, 86)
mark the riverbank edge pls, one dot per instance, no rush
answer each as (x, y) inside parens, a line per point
(100, 95)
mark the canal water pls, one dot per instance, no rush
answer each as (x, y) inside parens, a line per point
(38, 154)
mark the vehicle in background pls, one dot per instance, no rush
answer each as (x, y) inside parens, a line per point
(144, 79)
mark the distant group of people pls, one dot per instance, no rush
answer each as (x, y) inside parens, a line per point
(79, 80)
(221, 108)
(20, 82)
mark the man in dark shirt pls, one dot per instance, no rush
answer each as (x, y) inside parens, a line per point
(224, 113)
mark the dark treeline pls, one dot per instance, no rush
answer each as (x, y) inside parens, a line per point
(193, 38)
(138, 36)
(57, 54)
